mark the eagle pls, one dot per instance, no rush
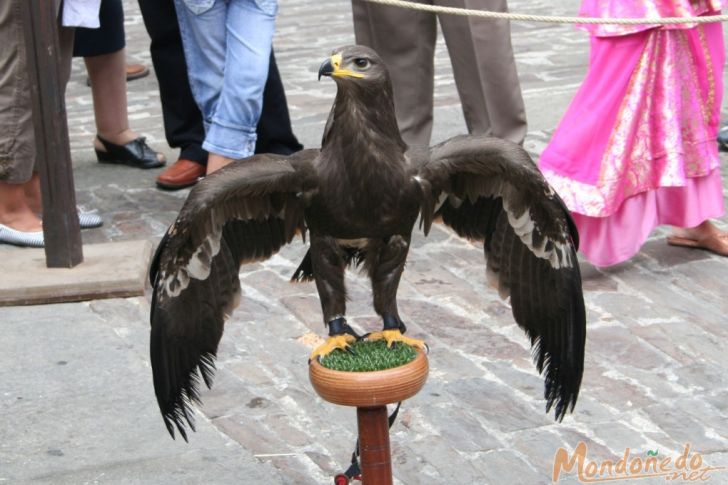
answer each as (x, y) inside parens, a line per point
(358, 199)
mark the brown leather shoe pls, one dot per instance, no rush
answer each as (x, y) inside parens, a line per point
(135, 71)
(181, 174)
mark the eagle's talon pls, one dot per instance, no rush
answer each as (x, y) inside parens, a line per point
(334, 342)
(394, 336)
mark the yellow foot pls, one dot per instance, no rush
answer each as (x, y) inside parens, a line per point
(332, 343)
(392, 336)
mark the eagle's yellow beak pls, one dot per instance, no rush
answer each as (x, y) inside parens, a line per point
(332, 67)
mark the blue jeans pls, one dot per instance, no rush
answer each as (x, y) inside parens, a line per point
(227, 46)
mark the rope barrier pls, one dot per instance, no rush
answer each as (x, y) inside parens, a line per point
(550, 19)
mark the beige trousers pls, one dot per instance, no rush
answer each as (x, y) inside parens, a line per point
(482, 61)
(17, 137)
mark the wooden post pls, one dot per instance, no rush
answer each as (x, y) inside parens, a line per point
(61, 229)
(375, 456)
(370, 392)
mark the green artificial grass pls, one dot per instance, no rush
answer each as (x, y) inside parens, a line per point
(369, 356)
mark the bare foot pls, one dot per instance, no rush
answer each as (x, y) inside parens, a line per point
(14, 210)
(215, 162)
(26, 222)
(705, 236)
(704, 230)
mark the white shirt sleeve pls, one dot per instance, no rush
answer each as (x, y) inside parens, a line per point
(81, 13)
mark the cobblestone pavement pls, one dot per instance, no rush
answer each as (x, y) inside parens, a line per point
(76, 377)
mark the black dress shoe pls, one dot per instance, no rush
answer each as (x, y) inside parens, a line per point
(136, 153)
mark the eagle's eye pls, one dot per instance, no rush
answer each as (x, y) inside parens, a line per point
(361, 62)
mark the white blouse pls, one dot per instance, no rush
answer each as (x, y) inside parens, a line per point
(81, 13)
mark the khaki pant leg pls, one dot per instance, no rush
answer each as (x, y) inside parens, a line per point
(485, 71)
(405, 40)
(17, 152)
(17, 138)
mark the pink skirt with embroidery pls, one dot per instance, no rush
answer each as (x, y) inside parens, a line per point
(637, 146)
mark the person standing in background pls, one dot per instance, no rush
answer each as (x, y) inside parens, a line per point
(20, 196)
(482, 60)
(637, 145)
(104, 53)
(227, 46)
(183, 125)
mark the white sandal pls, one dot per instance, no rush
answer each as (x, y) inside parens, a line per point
(87, 220)
(32, 239)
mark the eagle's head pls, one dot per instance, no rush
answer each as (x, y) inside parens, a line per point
(355, 65)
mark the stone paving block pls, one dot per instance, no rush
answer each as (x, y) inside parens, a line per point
(572, 437)
(539, 445)
(297, 468)
(711, 417)
(434, 280)
(711, 274)
(498, 404)
(695, 343)
(701, 376)
(457, 425)
(667, 257)
(628, 309)
(252, 434)
(229, 395)
(719, 399)
(623, 434)
(526, 381)
(621, 393)
(447, 364)
(619, 344)
(307, 309)
(451, 465)
(503, 464)
(684, 429)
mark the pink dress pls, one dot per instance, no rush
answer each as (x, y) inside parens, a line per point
(637, 146)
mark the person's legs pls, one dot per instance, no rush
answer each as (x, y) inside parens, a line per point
(204, 39)
(20, 197)
(108, 89)
(17, 141)
(485, 70)
(405, 40)
(183, 124)
(105, 57)
(204, 42)
(14, 209)
(232, 130)
(274, 132)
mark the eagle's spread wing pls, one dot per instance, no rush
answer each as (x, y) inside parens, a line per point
(242, 213)
(489, 190)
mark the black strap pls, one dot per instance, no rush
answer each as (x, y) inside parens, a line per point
(391, 322)
(338, 326)
(354, 470)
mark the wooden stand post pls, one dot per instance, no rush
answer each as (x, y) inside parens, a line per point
(374, 453)
(370, 392)
(61, 230)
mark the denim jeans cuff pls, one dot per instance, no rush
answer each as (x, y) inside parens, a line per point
(230, 142)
